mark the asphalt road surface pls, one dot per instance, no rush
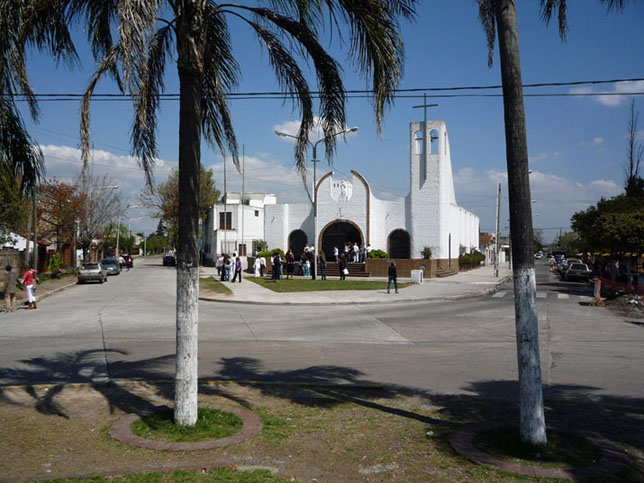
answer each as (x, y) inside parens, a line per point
(125, 329)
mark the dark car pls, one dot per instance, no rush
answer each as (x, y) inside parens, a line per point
(169, 260)
(111, 266)
(127, 261)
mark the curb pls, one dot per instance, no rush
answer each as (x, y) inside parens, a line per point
(121, 431)
(394, 301)
(45, 295)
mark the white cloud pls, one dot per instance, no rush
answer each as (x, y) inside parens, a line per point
(293, 127)
(596, 141)
(64, 163)
(556, 198)
(614, 97)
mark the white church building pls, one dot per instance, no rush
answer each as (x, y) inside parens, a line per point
(348, 211)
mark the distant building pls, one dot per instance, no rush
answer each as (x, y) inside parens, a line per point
(348, 211)
(235, 224)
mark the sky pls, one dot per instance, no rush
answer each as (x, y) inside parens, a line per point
(576, 144)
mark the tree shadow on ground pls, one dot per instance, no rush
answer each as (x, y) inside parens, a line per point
(584, 407)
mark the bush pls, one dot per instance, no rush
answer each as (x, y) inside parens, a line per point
(377, 254)
(270, 253)
(426, 253)
(261, 246)
(470, 260)
(55, 265)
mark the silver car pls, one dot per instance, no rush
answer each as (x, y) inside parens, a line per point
(92, 272)
(111, 266)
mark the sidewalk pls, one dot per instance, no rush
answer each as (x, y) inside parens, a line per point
(462, 285)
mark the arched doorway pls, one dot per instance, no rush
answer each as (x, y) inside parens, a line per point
(399, 244)
(337, 233)
(296, 242)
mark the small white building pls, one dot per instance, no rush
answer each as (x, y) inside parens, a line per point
(236, 224)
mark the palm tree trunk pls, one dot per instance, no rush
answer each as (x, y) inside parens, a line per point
(532, 421)
(190, 66)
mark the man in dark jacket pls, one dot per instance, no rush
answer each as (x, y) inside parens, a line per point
(322, 260)
(393, 277)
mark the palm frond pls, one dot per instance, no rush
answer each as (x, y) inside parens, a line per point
(109, 64)
(19, 154)
(291, 78)
(147, 102)
(488, 20)
(220, 76)
(548, 8)
(100, 16)
(332, 97)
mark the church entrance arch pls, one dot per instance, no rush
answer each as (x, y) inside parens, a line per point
(296, 242)
(337, 233)
(399, 244)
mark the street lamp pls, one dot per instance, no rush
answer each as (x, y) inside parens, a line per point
(118, 233)
(314, 160)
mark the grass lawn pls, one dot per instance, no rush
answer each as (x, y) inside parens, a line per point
(308, 285)
(210, 284)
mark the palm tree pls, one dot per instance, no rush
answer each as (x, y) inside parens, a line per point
(23, 24)
(149, 30)
(500, 15)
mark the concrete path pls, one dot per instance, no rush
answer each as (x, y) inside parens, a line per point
(462, 285)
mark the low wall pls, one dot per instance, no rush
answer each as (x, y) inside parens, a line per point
(377, 267)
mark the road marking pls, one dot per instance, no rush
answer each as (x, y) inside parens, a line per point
(499, 294)
(542, 295)
(563, 296)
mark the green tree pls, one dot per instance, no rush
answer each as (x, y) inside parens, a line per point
(163, 200)
(614, 226)
(499, 20)
(634, 183)
(14, 215)
(199, 30)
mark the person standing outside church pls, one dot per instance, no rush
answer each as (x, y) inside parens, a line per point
(322, 260)
(10, 281)
(342, 265)
(392, 276)
(238, 269)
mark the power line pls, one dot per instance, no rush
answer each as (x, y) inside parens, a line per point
(351, 92)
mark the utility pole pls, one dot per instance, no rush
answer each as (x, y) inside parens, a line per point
(243, 242)
(35, 220)
(497, 238)
(225, 209)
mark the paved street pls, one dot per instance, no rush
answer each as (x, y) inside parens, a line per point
(125, 329)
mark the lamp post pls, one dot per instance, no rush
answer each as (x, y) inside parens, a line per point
(118, 233)
(314, 197)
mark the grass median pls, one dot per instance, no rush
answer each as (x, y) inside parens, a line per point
(308, 285)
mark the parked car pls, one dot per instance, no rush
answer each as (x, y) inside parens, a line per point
(169, 260)
(92, 272)
(127, 261)
(578, 271)
(566, 265)
(111, 266)
(538, 255)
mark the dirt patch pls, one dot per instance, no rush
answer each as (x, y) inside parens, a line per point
(325, 433)
(626, 305)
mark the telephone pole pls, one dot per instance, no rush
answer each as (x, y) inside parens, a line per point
(497, 238)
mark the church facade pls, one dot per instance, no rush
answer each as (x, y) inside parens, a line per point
(348, 211)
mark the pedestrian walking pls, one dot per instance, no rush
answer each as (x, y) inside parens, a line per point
(262, 266)
(392, 273)
(29, 280)
(10, 283)
(322, 261)
(220, 265)
(238, 269)
(258, 267)
(228, 266)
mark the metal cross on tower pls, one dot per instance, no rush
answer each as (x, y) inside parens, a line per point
(424, 105)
